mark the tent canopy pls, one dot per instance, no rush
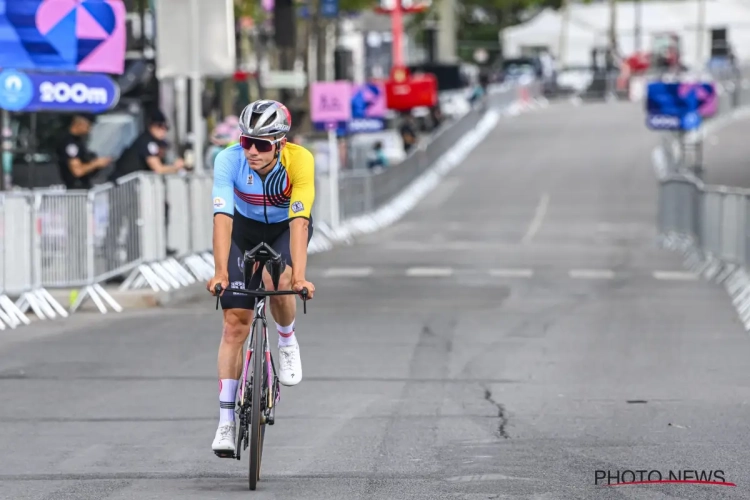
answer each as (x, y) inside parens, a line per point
(588, 27)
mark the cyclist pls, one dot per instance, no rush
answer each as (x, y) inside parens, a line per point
(264, 188)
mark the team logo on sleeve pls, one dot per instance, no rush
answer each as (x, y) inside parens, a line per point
(219, 202)
(153, 148)
(297, 206)
(72, 150)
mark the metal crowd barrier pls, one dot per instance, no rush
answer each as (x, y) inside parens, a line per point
(708, 224)
(77, 240)
(362, 191)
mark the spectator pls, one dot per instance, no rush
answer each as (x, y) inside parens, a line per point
(436, 116)
(146, 154)
(143, 154)
(76, 163)
(408, 131)
(377, 157)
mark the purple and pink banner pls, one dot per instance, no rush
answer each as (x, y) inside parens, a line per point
(63, 35)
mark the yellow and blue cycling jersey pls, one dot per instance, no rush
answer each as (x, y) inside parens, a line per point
(287, 192)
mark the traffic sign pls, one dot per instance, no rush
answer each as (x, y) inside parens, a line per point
(74, 92)
(330, 102)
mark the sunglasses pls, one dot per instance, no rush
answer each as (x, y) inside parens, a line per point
(262, 145)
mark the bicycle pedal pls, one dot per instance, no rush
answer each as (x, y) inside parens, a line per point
(224, 454)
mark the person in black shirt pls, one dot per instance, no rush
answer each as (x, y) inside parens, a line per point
(146, 154)
(76, 163)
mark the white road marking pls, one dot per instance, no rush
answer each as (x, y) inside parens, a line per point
(429, 272)
(591, 273)
(347, 272)
(512, 273)
(675, 275)
(536, 222)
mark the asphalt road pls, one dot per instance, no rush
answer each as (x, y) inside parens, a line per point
(515, 333)
(726, 155)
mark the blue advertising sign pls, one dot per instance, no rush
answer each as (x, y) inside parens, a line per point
(368, 111)
(75, 92)
(329, 8)
(673, 106)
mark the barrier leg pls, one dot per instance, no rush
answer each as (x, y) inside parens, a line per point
(96, 293)
(7, 320)
(29, 301)
(151, 278)
(200, 268)
(12, 310)
(106, 296)
(180, 273)
(48, 299)
(164, 274)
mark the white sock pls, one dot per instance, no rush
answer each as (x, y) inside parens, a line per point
(227, 396)
(286, 335)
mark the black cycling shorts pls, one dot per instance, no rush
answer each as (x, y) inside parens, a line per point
(278, 234)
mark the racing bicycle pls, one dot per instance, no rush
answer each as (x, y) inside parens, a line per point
(258, 390)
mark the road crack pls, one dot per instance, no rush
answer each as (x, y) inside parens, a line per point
(501, 414)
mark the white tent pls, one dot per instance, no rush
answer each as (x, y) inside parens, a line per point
(544, 32)
(591, 22)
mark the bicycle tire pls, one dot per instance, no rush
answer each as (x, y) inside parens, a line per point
(256, 409)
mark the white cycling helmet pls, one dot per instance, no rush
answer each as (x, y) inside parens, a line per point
(265, 118)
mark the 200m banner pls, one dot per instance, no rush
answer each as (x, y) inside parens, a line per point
(72, 92)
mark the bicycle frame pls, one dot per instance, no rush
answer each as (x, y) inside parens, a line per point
(260, 315)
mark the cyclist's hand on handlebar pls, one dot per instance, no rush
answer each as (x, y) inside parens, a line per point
(223, 280)
(298, 285)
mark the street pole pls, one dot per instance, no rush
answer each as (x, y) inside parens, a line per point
(638, 23)
(397, 27)
(562, 52)
(196, 104)
(701, 28)
(333, 176)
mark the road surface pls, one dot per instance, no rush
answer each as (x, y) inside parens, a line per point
(515, 333)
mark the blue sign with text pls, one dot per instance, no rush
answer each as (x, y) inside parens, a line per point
(74, 92)
(673, 106)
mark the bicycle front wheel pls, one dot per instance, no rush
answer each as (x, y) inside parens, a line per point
(257, 429)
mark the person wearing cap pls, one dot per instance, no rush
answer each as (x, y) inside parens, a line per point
(76, 163)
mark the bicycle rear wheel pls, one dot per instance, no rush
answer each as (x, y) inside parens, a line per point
(257, 429)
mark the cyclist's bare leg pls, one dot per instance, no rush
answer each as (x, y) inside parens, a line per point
(283, 309)
(236, 329)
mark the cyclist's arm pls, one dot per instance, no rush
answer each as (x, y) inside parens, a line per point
(223, 199)
(300, 208)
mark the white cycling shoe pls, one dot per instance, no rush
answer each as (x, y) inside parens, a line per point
(223, 444)
(291, 365)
